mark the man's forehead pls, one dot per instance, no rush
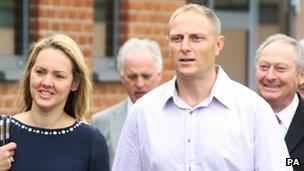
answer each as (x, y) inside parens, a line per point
(197, 23)
(134, 72)
(138, 50)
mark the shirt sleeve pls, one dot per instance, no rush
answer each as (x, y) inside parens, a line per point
(99, 153)
(270, 148)
(127, 156)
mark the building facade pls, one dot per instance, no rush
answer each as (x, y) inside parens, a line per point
(101, 26)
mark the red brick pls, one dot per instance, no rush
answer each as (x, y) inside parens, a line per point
(88, 28)
(50, 13)
(88, 3)
(85, 15)
(39, 25)
(87, 52)
(67, 26)
(72, 14)
(141, 18)
(76, 27)
(77, 3)
(55, 26)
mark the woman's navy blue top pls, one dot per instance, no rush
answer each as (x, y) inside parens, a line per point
(79, 147)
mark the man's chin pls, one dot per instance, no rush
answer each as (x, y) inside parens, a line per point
(137, 96)
(271, 99)
(270, 96)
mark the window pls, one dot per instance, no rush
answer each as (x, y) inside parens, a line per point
(232, 5)
(105, 40)
(228, 5)
(201, 2)
(13, 31)
(7, 27)
(269, 12)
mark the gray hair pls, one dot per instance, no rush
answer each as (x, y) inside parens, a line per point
(204, 11)
(133, 43)
(298, 49)
(301, 42)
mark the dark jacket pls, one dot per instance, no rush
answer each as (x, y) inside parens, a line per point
(295, 136)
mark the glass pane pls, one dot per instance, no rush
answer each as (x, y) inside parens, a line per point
(270, 20)
(11, 27)
(235, 5)
(103, 28)
(201, 2)
(7, 27)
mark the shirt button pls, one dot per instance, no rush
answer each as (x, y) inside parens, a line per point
(191, 112)
(188, 140)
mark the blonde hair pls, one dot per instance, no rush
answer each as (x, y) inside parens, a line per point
(204, 11)
(77, 104)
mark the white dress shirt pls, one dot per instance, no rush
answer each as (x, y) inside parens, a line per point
(234, 129)
(287, 114)
(129, 104)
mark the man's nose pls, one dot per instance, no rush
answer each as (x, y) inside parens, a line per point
(186, 44)
(271, 74)
(140, 82)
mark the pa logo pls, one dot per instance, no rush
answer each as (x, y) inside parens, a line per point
(293, 162)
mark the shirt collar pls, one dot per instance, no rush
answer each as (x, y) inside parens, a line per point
(219, 91)
(287, 114)
(129, 104)
(222, 89)
(169, 90)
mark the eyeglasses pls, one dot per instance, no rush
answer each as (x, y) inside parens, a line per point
(5, 121)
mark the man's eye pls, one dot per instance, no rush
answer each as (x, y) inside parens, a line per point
(281, 69)
(132, 76)
(263, 67)
(197, 38)
(176, 39)
(146, 76)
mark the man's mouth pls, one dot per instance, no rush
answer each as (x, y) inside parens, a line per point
(186, 59)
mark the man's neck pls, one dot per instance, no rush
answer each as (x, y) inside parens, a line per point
(279, 105)
(193, 91)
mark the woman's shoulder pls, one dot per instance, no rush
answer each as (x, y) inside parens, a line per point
(20, 116)
(91, 130)
(97, 137)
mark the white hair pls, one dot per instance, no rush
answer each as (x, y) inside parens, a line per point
(298, 49)
(133, 43)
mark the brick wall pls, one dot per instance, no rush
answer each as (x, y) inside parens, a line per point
(71, 17)
(140, 18)
(148, 19)
(143, 19)
(7, 98)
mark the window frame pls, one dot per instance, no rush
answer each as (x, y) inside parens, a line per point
(12, 66)
(104, 68)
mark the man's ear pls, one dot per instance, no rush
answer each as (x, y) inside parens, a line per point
(159, 75)
(220, 41)
(301, 77)
(75, 84)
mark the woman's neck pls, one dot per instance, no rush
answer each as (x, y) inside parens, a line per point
(50, 120)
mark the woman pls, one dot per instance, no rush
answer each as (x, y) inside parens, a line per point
(50, 132)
